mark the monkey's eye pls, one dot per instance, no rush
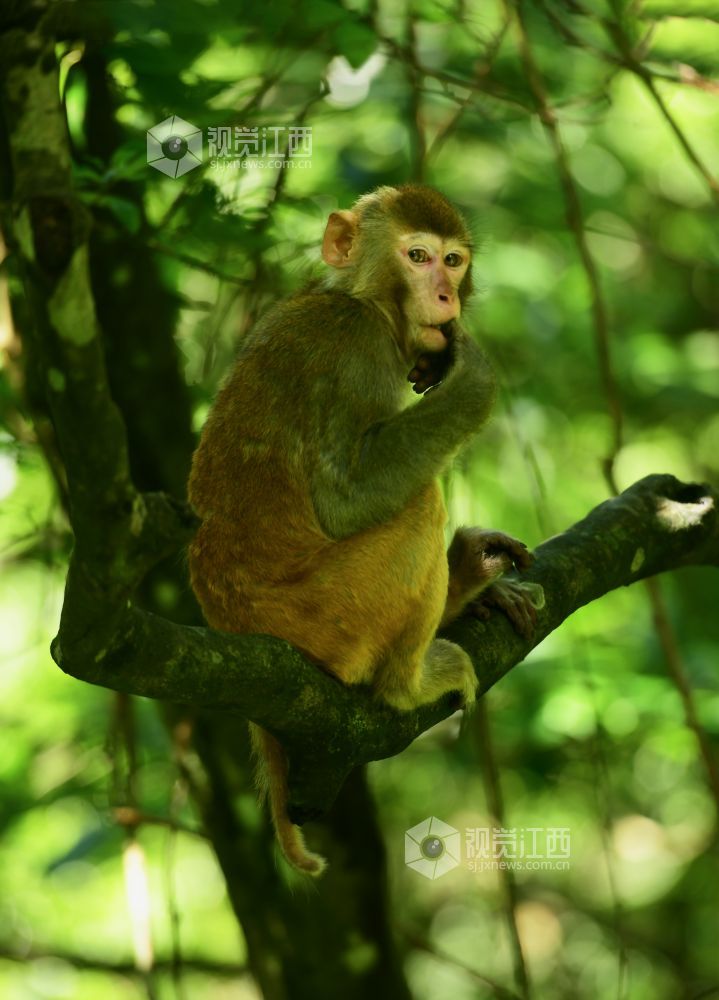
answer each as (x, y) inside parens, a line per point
(418, 256)
(453, 260)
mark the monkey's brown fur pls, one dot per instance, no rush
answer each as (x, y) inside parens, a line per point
(322, 521)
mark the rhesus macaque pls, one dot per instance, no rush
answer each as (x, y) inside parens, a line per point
(316, 480)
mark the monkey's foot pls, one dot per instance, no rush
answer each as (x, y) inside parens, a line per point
(447, 670)
(519, 602)
(497, 548)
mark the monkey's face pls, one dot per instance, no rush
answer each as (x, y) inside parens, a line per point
(408, 251)
(432, 270)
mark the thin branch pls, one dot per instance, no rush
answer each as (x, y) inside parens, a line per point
(19, 953)
(667, 639)
(482, 69)
(575, 222)
(131, 817)
(490, 772)
(498, 991)
(626, 51)
(196, 263)
(678, 674)
(417, 131)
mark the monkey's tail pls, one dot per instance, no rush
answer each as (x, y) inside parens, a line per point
(271, 777)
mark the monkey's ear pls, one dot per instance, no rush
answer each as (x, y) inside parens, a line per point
(338, 240)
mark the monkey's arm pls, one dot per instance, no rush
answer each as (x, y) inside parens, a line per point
(381, 470)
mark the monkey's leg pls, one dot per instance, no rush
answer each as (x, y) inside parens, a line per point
(476, 561)
(406, 683)
(446, 668)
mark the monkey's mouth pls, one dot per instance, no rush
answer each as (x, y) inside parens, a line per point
(436, 337)
(447, 329)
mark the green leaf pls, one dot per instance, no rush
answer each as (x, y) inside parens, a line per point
(355, 42)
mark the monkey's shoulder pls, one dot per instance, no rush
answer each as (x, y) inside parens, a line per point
(324, 356)
(318, 319)
(329, 303)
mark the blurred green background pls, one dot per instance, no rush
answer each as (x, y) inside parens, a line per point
(589, 733)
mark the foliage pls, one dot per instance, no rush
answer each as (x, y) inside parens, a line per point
(590, 733)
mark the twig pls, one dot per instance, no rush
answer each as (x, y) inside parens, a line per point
(492, 784)
(626, 52)
(19, 953)
(678, 673)
(499, 991)
(576, 224)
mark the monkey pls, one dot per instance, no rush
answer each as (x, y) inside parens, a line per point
(316, 476)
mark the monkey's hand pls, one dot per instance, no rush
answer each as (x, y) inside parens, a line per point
(431, 367)
(429, 370)
(519, 601)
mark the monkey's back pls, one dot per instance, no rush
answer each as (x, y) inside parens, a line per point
(260, 561)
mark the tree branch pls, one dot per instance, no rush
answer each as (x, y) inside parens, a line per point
(656, 525)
